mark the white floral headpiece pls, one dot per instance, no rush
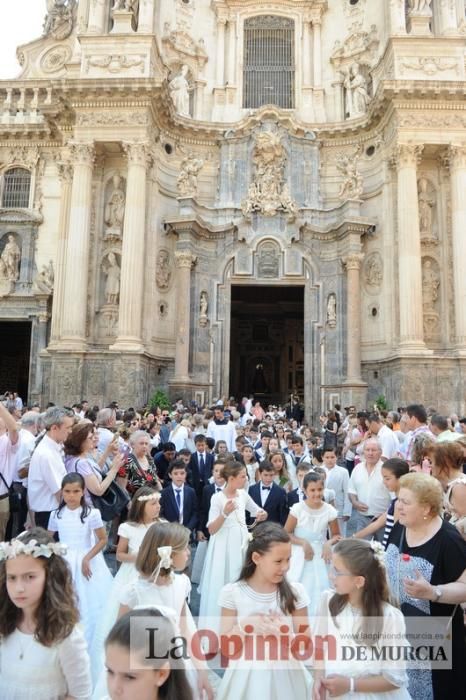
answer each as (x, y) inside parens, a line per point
(149, 497)
(11, 550)
(379, 551)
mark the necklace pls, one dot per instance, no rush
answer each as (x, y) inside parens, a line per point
(23, 649)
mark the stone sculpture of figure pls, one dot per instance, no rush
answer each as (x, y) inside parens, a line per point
(45, 279)
(187, 179)
(163, 272)
(112, 285)
(115, 207)
(59, 20)
(332, 311)
(179, 92)
(426, 205)
(430, 286)
(420, 7)
(10, 258)
(374, 273)
(204, 304)
(352, 186)
(357, 97)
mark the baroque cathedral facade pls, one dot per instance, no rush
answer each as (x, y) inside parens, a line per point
(218, 197)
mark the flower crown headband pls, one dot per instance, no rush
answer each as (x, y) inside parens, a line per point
(149, 497)
(379, 551)
(13, 549)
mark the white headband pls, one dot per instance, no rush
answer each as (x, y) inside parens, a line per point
(149, 497)
(11, 550)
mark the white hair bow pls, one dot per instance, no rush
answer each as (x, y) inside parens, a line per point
(165, 556)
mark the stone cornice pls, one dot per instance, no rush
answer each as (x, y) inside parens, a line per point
(20, 216)
(198, 226)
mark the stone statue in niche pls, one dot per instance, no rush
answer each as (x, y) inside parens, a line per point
(426, 209)
(112, 285)
(268, 193)
(374, 270)
(203, 309)
(268, 261)
(115, 208)
(45, 279)
(357, 96)
(352, 186)
(332, 311)
(163, 271)
(420, 7)
(187, 179)
(179, 91)
(10, 260)
(430, 286)
(59, 20)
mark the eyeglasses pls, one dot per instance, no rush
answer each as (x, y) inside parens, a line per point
(333, 572)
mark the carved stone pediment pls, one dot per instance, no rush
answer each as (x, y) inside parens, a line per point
(20, 216)
(178, 46)
(360, 46)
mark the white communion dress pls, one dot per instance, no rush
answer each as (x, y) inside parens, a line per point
(273, 677)
(80, 538)
(31, 671)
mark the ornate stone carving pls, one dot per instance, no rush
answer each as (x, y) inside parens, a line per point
(179, 46)
(457, 156)
(184, 258)
(179, 91)
(420, 7)
(332, 310)
(268, 260)
(353, 261)
(163, 271)
(356, 92)
(430, 285)
(429, 65)
(138, 153)
(352, 186)
(373, 271)
(407, 155)
(112, 119)
(115, 208)
(45, 279)
(187, 179)
(60, 18)
(24, 155)
(427, 201)
(203, 309)
(268, 194)
(10, 260)
(112, 272)
(55, 58)
(359, 45)
(82, 153)
(115, 63)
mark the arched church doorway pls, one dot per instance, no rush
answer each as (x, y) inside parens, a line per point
(267, 342)
(15, 356)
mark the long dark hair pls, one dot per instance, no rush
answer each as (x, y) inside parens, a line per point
(75, 478)
(176, 687)
(264, 537)
(137, 508)
(57, 613)
(360, 560)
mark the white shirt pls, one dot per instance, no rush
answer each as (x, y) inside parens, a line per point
(338, 480)
(8, 453)
(46, 472)
(265, 492)
(181, 490)
(225, 432)
(26, 446)
(388, 442)
(370, 489)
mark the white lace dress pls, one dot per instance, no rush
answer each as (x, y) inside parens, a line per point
(31, 671)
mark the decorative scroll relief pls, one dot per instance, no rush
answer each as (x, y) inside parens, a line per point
(268, 194)
(430, 298)
(359, 46)
(429, 65)
(112, 119)
(268, 260)
(116, 63)
(178, 45)
(55, 58)
(373, 272)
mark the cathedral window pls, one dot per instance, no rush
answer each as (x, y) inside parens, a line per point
(16, 188)
(269, 65)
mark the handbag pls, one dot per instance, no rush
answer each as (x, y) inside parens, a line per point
(112, 502)
(14, 498)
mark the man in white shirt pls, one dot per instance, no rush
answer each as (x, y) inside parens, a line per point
(9, 446)
(366, 489)
(338, 480)
(47, 467)
(220, 428)
(386, 437)
(27, 441)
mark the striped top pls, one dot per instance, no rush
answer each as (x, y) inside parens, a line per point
(389, 523)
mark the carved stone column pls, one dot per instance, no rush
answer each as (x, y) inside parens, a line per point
(409, 249)
(317, 54)
(184, 261)
(352, 263)
(457, 155)
(132, 257)
(231, 66)
(98, 17)
(220, 67)
(83, 16)
(76, 264)
(306, 70)
(65, 173)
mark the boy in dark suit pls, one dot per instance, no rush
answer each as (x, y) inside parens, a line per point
(178, 502)
(269, 496)
(200, 466)
(208, 491)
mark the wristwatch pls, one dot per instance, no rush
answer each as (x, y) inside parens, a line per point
(438, 594)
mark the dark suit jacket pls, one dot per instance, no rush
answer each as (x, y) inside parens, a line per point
(207, 493)
(162, 466)
(293, 497)
(169, 507)
(275, 505)
(195, 478)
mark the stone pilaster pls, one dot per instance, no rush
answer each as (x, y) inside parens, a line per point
(448, 18)
(457, 158)
(231, 65)
(409, 250)
(76, 264)
(220, 64)
(97, 17)
(317, 53)
(132, 258)
(306, 58)
(352, 263)
(397, 18)
(184, 261)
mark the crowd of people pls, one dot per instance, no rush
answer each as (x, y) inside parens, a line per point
(353, 529)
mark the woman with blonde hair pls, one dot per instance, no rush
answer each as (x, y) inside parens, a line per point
(426, 565)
